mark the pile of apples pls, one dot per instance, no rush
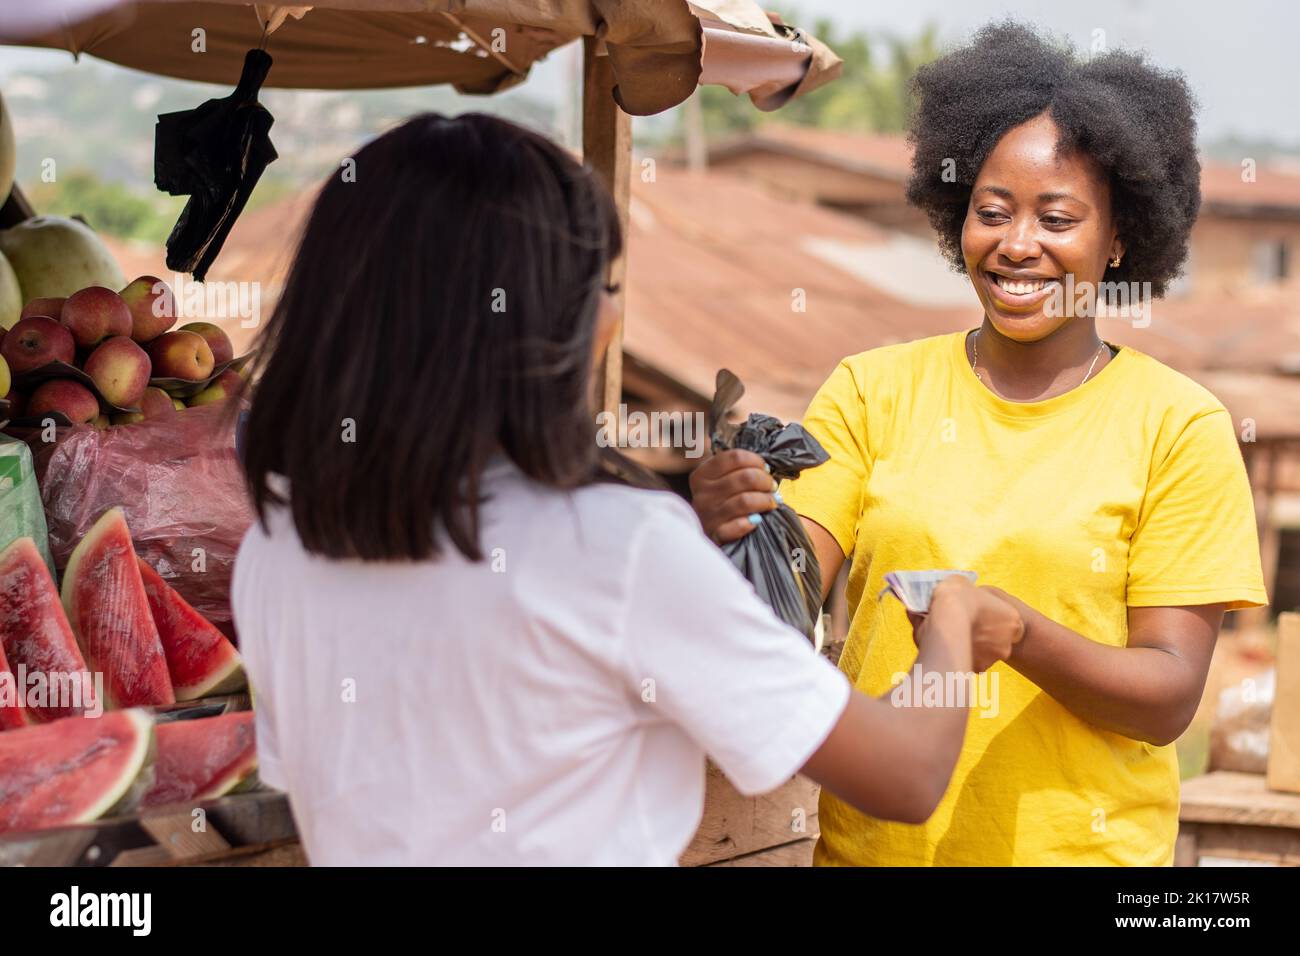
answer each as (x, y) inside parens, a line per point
(120, 340)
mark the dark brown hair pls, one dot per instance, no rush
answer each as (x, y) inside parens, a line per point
(441, 307)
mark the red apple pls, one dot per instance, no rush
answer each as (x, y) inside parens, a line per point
(95, 314)
(53, 307)
(181, 354)
(120, 370)
(226, 385)
(156, 404)
(153, 308)
(64, 395)
(216, 337)
(36, 341)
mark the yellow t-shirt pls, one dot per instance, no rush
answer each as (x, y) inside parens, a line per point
(1129, 490)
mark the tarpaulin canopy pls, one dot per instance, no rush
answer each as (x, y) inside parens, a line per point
(659, 50)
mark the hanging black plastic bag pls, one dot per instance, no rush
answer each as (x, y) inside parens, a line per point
(777, 557)
(215, 153)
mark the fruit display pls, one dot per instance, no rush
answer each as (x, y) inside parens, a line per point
(105, 601)
(65, 762)
(57, 256)
(34, 632)
(203, 759)
(120, 349)
(116, 616)
(74, 770)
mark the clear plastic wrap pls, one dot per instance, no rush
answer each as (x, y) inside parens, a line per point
(180, 484)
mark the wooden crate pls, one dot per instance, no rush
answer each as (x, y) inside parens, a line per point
(1235, 816)
(775, 829)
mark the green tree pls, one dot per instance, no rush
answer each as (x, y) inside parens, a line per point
(109, 207)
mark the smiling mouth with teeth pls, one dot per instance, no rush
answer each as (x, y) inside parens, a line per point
(1020, 286)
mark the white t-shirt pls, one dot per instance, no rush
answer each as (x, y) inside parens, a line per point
(549, 705)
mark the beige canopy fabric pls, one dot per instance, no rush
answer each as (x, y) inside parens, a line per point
(660, 50)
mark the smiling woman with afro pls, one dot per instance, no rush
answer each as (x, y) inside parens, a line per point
(1099, 493)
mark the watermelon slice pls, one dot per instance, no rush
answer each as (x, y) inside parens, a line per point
(36, 638)
(74, 770)
(200, 659)
(12, 712)
(203, 759)
(106, 605)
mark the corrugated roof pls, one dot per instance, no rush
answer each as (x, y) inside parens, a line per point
(1275, 187)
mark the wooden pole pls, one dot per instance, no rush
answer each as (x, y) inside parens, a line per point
(607, 147)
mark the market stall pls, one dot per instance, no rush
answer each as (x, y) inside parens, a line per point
(639, 57)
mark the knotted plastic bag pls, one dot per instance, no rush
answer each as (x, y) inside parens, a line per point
(777, 557)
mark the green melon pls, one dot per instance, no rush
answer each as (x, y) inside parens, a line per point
(54, 257)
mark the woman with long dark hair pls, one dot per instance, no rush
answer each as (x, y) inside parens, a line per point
(467, 645)
(1100, 492)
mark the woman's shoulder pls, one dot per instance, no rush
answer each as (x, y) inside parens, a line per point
(1167, 391)
(877, 374)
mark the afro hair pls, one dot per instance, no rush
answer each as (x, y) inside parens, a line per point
(1136, 121)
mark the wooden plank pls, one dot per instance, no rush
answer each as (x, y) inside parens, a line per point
(1283, 771)
(1185, 853)
(287, 854)
(734, 824)
(799, 853)
(607, 148)
(1271, 845)
(1225, 796)
(175, 832)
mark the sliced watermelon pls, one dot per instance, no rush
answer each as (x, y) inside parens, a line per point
(36, 638)
(73, 770)
(12, 712)
(106, 605)
(200, 659)
(203, 759)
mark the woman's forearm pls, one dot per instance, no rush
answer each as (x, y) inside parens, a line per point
(1146, 693)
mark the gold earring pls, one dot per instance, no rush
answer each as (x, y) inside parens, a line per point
(1115, 262)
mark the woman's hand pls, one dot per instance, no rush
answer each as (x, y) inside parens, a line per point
(996, 625)
(727, 490)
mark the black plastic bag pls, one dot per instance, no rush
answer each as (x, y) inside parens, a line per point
(777, 557)
(216, 153)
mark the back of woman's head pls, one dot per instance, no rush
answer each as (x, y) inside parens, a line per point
(441, 306)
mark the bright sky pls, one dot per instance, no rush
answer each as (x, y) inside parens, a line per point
(1239, 57)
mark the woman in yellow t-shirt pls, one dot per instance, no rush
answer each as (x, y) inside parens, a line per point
(1099, 492)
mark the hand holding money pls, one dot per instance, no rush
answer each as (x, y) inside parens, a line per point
(996, 625)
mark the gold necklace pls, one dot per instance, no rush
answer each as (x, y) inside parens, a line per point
(975, 348)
